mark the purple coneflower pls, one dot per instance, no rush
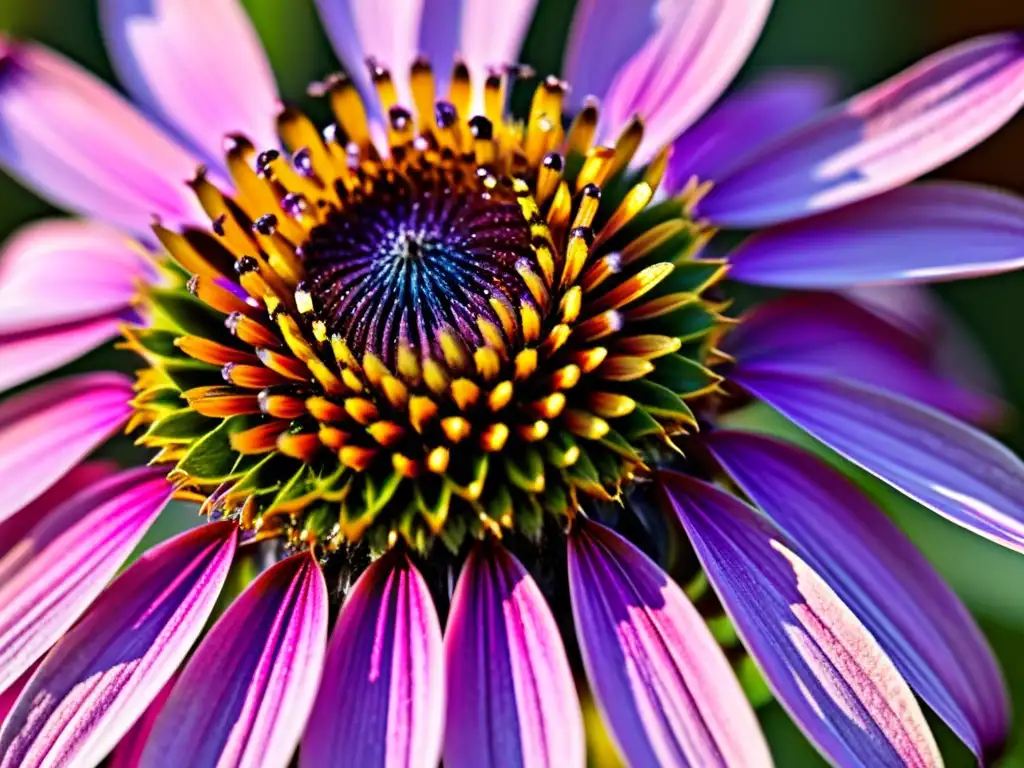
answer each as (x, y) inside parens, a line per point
(439, 369)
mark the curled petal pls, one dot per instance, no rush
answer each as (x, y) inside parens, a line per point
(663, 684)
(102, 675)
(924, 233)
(50, 578)
(244, 696)
(961, 473)
(198, 64)
(881, 139)
(55, 426)
(382, 697)
(83, 147)
(683, 68)
(882, 577)
(824, 667)
(511, 701)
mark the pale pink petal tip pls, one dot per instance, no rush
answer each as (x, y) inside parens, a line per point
(511, 700)
(102, 675)
(666, 690)
(382, 697)
(246, 693)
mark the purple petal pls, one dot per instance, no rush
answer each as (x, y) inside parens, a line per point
(743, 123)
(491, 34)
(16, 528)
(962, 474)
(829, 335)
(83, 147)
(882, 577)
(663, 685)
(683, 68)
(925, 233)
(511, 700)
(101, 676)
(268, 652)
(55, 426)
(382, 697)
(824, 667)
(59, 270)
(55, 573)
(8, 697)
(128, 752)
(197, 64)
(881, 139)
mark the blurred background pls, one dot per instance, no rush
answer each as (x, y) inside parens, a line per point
(861, 42)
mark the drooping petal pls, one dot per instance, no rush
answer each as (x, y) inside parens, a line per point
(882, 577)
(59, 270)
(663, 684)
(683, 68)
(83, 147)
(128, 752)
(101, 676)
(267, 651)
(51, 428)
(879, 140)
(961, 473)
(824, 667)
(50, 578)
(511, 697)
(829, 335)
(197, 64)
(382, 697)
(744, 122)
(924, 233)
(18, 526)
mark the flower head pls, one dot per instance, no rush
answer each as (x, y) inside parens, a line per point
(436, 368)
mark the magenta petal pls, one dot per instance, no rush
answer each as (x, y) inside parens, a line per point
(663, 684)
(881, 139)
(198, 64)
(824, 667)
(831, 336)
(99, 679)
(128, 752)
(882, 577)
(83, 147)
(511, 697)
(683, 68)
(50, 578)
(924, 233)
(10, 696)
(959, 472)
(743, 123)
(55, 426)
(59, 270)
(245, 695)
(381, 701)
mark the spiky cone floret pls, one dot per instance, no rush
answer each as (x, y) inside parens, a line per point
(300, 397)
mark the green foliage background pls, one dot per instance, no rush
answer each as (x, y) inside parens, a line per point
(861, 41)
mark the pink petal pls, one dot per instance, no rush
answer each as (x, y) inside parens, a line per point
(683, 68)
(101, 676)
(128, 752)
(268, 652)
(24, 356)
(198, 64)
(59, 270)
(381, 701)
(511, 700)
(663, 684)
(8, 697)
(50, 578)
(880, 575)
(744, 122)
(83, 147)
(17, 527)
(924, 233)
(492, 34)
(53, 427)
(824, 667)
(881, 139)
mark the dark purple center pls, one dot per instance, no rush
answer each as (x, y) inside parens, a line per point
(402, 264)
